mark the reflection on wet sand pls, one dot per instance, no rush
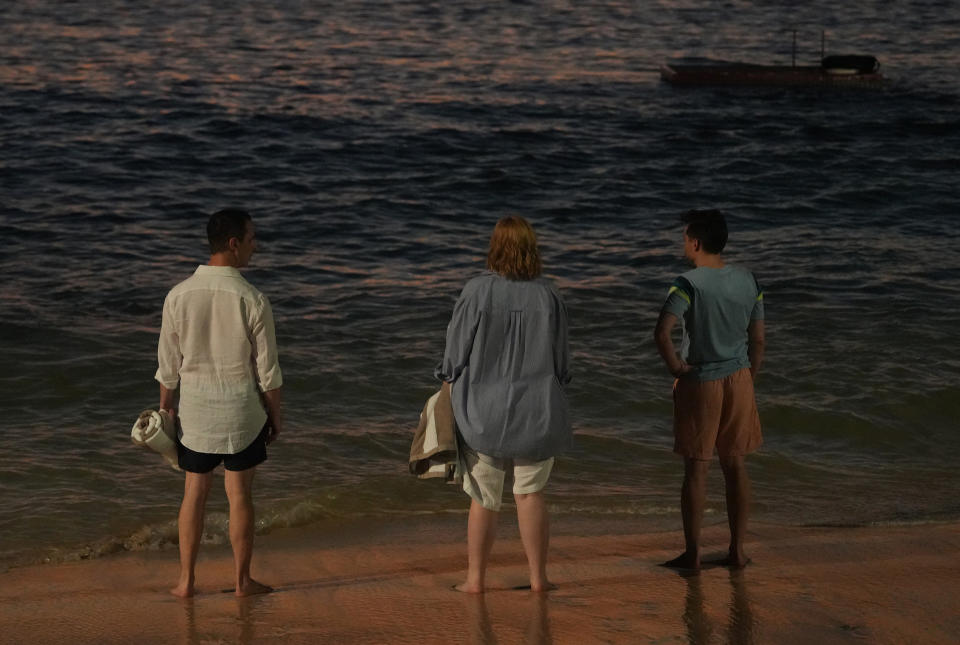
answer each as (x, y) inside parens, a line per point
(248, 610)
(699, 628)
(741, 625)
(481, 628)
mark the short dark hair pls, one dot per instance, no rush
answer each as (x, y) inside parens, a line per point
(708, 226)
(226, 224)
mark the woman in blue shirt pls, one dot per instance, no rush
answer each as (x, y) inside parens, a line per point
(507, 359)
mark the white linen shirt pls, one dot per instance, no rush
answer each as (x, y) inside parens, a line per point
(217, 342)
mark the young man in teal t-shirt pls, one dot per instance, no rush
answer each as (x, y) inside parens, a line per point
(721, 311)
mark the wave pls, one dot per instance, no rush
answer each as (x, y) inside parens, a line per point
(163, 535)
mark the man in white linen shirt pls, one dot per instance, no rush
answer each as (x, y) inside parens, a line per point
(217, 345)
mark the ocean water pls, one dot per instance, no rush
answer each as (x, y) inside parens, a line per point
(377, 144)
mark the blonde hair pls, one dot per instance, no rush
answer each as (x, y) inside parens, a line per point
(513, 250)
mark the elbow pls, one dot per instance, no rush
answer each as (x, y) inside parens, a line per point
(168, 381)
(270, 379)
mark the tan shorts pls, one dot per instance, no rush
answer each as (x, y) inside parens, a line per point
(484, 477)
(721, 413)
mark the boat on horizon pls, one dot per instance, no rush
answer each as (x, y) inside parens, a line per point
(833, 71)
(848, 70)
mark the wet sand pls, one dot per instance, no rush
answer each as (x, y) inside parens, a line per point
(391, 583)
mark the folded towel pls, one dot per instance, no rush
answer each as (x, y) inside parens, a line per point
(155, 430)
(434, 451)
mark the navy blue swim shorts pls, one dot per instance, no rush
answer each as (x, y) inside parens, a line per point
(203, 462)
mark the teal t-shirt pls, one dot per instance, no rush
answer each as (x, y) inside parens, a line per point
(715, 307)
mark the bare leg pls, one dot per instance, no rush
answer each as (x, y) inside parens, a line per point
(738, 507)
(481, 531)
(693, 498)
(535, 535)
(239, 486)
(196, 487)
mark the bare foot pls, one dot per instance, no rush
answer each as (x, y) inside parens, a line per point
(684, 561)
(252, 588)
(732, 561)
(466, 587)
(545, 586)
(548, 586)
(183, 590)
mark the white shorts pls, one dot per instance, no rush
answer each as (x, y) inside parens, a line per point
(484, 477)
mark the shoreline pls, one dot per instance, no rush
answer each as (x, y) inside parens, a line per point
(377, 582)
(407, 526)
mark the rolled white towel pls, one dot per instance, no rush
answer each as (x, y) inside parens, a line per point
(155, 430)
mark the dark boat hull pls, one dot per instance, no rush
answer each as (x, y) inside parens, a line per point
(766, 75)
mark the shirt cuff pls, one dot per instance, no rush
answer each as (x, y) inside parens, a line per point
(166, 381)
(273, 381)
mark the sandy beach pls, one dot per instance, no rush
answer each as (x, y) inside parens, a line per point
(391, 583)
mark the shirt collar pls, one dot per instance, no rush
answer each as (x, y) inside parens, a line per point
(229, 272)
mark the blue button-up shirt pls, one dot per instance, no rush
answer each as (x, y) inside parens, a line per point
(507, 357)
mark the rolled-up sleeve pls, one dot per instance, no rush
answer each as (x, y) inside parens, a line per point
(263, 341)
(460, 334)
(679, 298)
(169, 355)
(757, 313)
